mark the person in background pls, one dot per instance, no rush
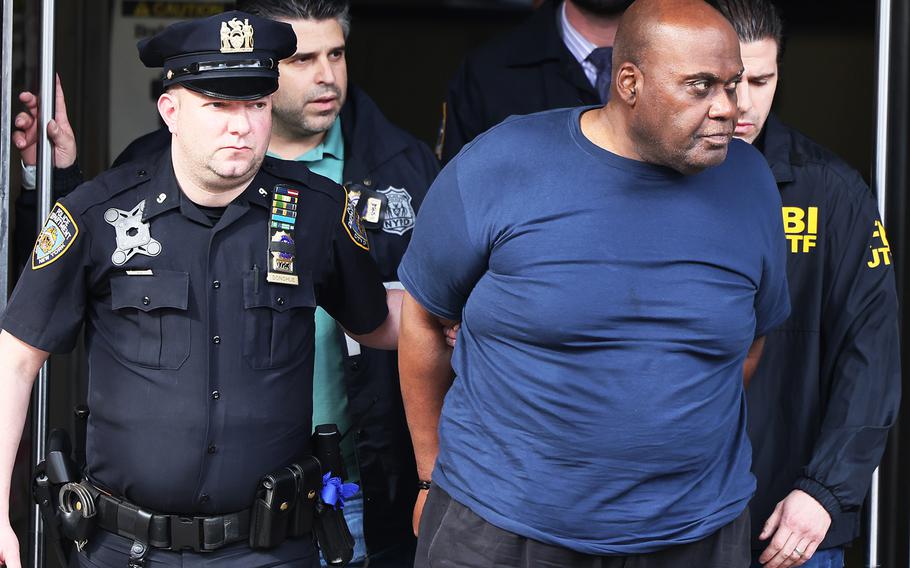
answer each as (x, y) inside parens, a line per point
(827, 389)
(560, 57)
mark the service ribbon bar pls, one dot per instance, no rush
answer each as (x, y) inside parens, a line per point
(282, 246)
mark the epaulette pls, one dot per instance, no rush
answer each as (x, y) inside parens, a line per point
(108, 184)
(298, 174)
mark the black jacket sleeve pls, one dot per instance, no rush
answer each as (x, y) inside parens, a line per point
(146, 145)
(464, 115)
(861, 355)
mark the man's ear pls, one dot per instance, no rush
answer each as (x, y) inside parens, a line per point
(168, 108)
(628, 82)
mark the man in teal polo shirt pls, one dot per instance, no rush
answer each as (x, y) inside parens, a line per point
(340, 134)
(330, 401)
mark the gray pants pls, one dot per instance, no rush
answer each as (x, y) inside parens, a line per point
(452, 536)
(107, 550)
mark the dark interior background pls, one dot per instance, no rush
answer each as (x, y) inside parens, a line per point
(403, 54)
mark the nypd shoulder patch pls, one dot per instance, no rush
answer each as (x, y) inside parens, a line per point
(59, 232)
(353, 223)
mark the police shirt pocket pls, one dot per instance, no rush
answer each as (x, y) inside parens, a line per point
(155, 330)
(278, 320)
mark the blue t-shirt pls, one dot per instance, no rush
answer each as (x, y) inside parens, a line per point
(607, 306)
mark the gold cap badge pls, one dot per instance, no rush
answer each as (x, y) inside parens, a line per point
(236, 36)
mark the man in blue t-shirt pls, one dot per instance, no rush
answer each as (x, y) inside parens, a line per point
(614, 270)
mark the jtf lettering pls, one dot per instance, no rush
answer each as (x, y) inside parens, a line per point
(881, 254)
(801, 228)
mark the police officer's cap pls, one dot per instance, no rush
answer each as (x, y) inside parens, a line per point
(233, 55)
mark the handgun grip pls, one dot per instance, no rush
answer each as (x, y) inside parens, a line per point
(59, 463)
(327, 449)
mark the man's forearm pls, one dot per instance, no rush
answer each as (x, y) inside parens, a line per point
(424, 361)
(20, 364)
(752, 358)
(386, 335)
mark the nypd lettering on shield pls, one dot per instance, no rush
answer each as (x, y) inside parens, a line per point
(399, 217)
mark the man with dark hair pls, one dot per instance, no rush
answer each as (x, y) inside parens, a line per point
(577, 431)
(828, 386)
(337, 131)
(196, 271)
(561, 57)
(340, 133)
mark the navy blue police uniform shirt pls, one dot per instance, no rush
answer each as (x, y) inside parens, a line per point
(200, 369)
(403, 168)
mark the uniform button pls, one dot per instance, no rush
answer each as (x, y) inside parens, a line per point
(355, 365)
(146, 301)
(141, 173)
(280, 301)
(213, 449)
(216, 394)
(204, 498)
(216, 340)
(216, 284)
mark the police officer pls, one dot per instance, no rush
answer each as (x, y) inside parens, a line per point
(560, 57)
(337, 131)
(197, 271)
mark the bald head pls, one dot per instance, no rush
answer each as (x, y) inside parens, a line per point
(676, 65)
(649, 24)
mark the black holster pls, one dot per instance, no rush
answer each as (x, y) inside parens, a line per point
(332, 532)
(66, 507)
(285, 504)
(334, 536)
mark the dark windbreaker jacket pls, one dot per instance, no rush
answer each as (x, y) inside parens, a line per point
(528, 70)
(828, 385)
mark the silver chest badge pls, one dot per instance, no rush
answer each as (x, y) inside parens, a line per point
(133, 236)
(399, 217)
